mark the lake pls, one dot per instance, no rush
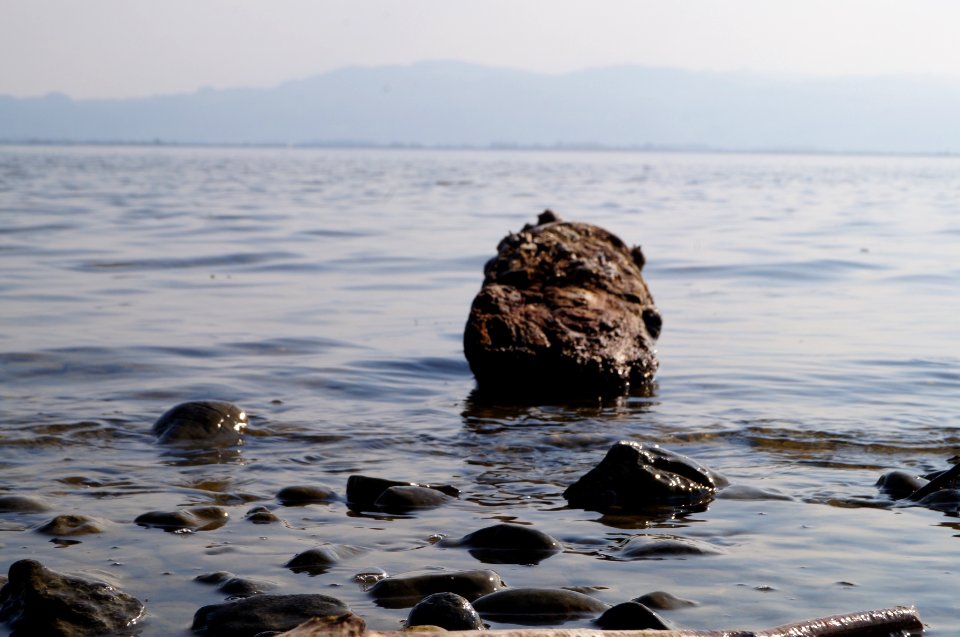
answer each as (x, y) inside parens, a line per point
(810, 344)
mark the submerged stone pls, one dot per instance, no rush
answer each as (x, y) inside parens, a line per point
(369, 494)
(405, 591)
(262, 515)
(563, 310)
(202, 422)
(651, 547)
(38, 601)
(261, 613)
(317, 561)
(508, 544)
(68, 525)
(303, 495)
(446, 610)
(22, 504)
(633, 477)
(233, 586)
(631, 616)
(664, 601)
(900, 484)
(537, 606)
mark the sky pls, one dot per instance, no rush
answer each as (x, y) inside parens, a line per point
(133, 48)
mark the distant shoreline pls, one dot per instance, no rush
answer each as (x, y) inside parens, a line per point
(497, 147)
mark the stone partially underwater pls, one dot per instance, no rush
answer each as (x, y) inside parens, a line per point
(563, 310)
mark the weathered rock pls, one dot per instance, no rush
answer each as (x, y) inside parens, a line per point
(537, 606)
(446, 610)
(631, 616)
(364, 492)
(22, 504)
(303, 495)
(67, 525)
(664, 601)
(38, 601)
(563, 310)
(185, 520)
(508, 544)
(633, 477)
(203, 422)
(404, 592)
(261, 613)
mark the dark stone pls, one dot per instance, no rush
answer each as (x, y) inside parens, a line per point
(318, 560)
(364, 491)
(203, 422)
(66, 525)
(262, 515)
(404, 592)
(38, 601)
(446, 610)
(233, 586)
(563, 310)
(508, 544)
(900, 484)
(303, 495)
(261, 613)
(664, 601)
(633, 477)
(22, 504)
(631, 616)
(537, 606)
(185, 520)
(409, 498)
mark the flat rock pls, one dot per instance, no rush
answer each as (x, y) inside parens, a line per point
(655, 547)
(508, 544)
(633, 477)
(38, 601)
(261, 613)
(537, 606)
(563, 310)
(446, 610)
(202, 422)
(406, 591)
(185, 520)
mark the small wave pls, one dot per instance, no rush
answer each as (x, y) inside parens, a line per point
(235, 259)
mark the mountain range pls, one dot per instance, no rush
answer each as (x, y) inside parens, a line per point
(442, 103)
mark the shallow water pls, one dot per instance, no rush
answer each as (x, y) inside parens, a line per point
(809, 345)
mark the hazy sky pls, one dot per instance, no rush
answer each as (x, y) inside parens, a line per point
(121, 48)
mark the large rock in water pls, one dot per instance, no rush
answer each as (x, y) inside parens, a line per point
(38, 601)
(202, 423)
(563, 309)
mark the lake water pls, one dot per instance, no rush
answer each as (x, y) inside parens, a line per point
(811, 342)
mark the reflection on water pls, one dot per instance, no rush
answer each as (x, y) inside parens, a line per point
(809, 306)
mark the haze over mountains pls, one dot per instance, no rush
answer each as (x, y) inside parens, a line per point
(458, 104)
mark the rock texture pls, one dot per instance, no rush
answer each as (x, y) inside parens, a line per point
(38, 601)
(633, 477)
(261, 613)
(563, 309)
(202, 422)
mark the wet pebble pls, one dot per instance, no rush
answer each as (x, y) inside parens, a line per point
(508, 544)
(446, 610)
(233, 586)
(202, 422)
(631, 616)
(22, 504)
(363, 492)
(319, 560)
(251, 616)
(664, 601)
(68, 525)
(537, 606)
(651, 547)
(406, 591)
(900, 484)
(303, 495)
(262, 515)
(184, 520)
(406, 499)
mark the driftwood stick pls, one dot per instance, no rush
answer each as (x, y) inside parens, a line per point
(871, 623)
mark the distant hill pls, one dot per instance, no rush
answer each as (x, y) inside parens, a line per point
(451, 104)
